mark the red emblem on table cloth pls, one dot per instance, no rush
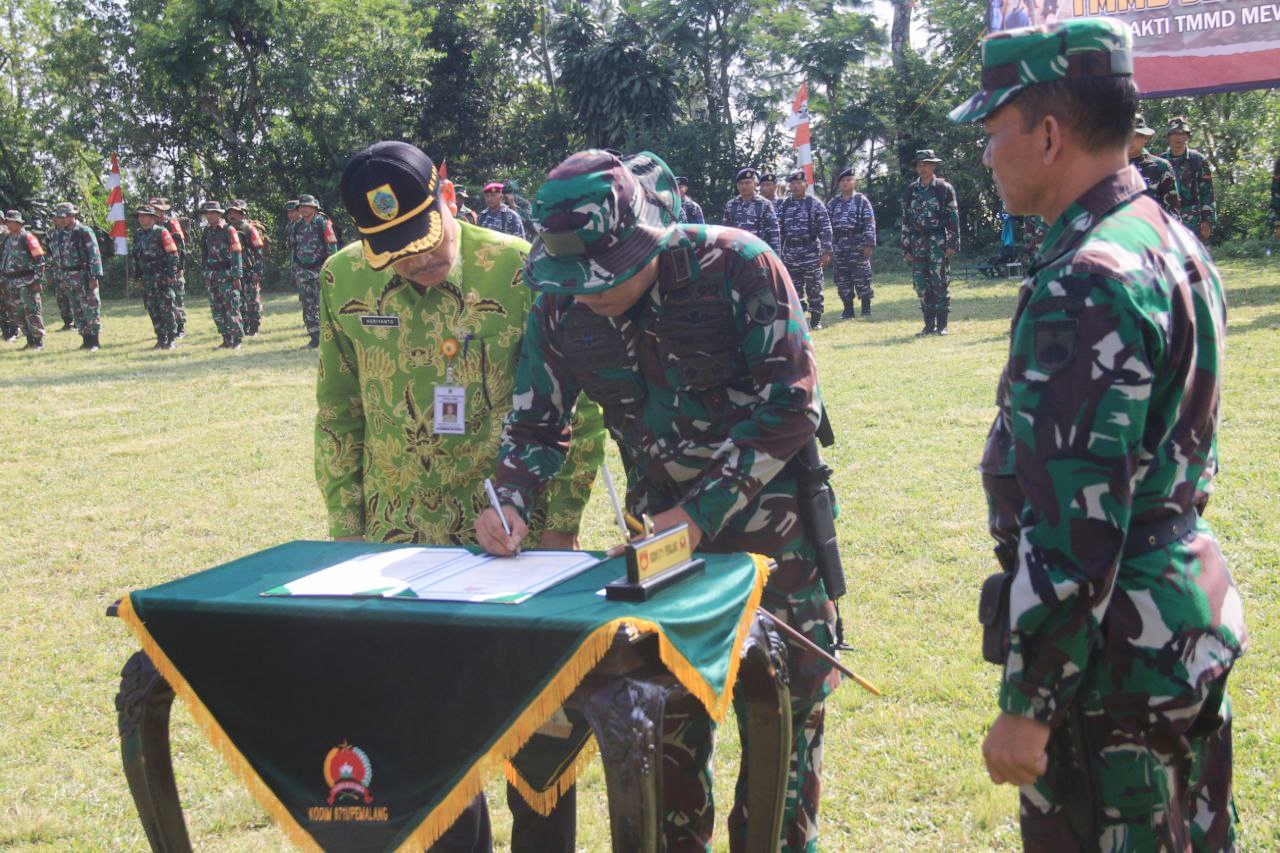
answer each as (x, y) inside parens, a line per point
(348, 772)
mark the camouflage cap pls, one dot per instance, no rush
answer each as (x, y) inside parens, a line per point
(145, 210)
(291, 204)
(926, 155)
(1015, 59)
(1141, 128)
(159, 203)
(305, 200)
(510, 186)
(600, 218)
(211, 207)
(64, 208)
(239, 205)
(13, 216)
(1179, 124)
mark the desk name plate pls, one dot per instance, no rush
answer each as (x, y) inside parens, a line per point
(654, 563)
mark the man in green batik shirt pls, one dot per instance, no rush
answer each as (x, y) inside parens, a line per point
(1120, 621)
(421, 324)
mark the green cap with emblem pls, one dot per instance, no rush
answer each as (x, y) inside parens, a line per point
(600, 218)
(1015, 59)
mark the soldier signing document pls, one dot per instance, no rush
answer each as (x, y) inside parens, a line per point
(1115, 618)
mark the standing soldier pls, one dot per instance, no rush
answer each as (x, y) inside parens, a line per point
(1162, 184)
(80, 267)
(313, 243)
(690, 210)
(496, 216)
(173, 225)
(930, 237)
(22, 265)
(805, 231)
(223, 268)
(465, 213)
(690, 339)
(8, 325)
(511, 195)
(1120, 621)
(750, 211)
(56, 238)
(251, 253)
(769, 189)
(853, 225)
(154, 262)
(1033, 231)
(1195, 179)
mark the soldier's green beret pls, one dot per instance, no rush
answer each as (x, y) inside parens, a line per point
(600, 218)
(1015, 59)
(145, 210)
(13, 216)
(308, 201)
(64, 208)
(211, 207)
(1141, 127)
(1179, 125)
(926, 155)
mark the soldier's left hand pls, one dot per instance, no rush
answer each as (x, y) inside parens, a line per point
(1205, 228)
(825, 259)
(674, 516)
(1015, 750)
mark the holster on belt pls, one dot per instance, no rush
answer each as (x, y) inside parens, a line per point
(816, 501)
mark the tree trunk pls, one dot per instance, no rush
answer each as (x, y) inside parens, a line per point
(900, 35)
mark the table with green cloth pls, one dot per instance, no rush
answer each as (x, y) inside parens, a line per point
(370, 723)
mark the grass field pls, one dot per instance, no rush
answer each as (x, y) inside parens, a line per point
(128, 467)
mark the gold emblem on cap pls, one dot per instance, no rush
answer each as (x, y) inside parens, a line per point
(383, 202)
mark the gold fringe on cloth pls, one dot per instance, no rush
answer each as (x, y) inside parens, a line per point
(589, 653)
(544, 802)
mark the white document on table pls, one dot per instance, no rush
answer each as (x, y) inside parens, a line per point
(382, 573)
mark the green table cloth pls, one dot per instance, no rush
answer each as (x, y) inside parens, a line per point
(369, 724)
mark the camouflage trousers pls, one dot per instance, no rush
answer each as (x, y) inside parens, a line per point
(931, 278)
(157, 295)
(179, 300)
(1138, 788)
(688, 734)
(251, 301)
(224, 302)
(82, 290)
(805, 269)
(24, 308)
(853, 272)
(8, 324)
(308, 284)
(62, 292)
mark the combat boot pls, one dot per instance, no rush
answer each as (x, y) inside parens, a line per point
(942, 322)
(847, 313)
(87, 337)
(315, 341)
(93, 342)
(815, 321)
(929, 320)
(236, 343)
(866, 306)
(34, 343)
(67, 326)
(226, 342)
(181, 333)
(168, 342)
(159, 342)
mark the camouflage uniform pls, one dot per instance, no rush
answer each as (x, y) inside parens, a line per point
(853, 224)
(708, 388)
(57, 280)
(1033, 231)
(524, 210)
(8, 325)
(154, 262)
(504, 220)
(313, 243)
(22, 266)
(758, 216)
(1274, 216)
(1195, 186)
(80, 263)
(1124, 620)
(223, 268)
(1162, 184)
(251, 289)
(804, 229)
(174, 226)
(931, 227)
(691, 212)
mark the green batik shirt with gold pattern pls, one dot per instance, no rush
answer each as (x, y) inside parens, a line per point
(385, 350)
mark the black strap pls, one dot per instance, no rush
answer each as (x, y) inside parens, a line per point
(1144, 538)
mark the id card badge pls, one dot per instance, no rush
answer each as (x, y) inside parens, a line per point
(450, 410)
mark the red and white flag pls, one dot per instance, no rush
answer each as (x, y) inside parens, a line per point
(115, 209)
(799, 119)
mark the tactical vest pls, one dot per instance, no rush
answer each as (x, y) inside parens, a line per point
(150, 251)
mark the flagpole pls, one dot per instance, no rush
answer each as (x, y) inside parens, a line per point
(116, 216)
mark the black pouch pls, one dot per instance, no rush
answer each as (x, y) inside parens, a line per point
(993, 613)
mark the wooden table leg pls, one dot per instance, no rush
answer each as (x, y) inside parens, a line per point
(142, 706)
(762, 687)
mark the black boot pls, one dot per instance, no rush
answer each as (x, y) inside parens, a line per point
(226, 342)
(847, 313)
(315, 341)
(67, 326)
(866, 306)
(815, 321)
(93, 342)
(182, 332)
(930, 318)
(87, 338)
(34, 343)
(236, 342)
(942, 321)
(159, 341)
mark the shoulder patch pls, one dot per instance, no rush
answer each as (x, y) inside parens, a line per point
(166, 240)
(33, 246)
(761, 306)
(1055, 344)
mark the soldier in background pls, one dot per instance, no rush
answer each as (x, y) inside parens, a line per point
(465, 213)
(750, 211)
(251, 243)
(1033, 231)
(769, 189)
(1274, 216)
(313, 243)
(805, 231)
(690, 210)
(1199, 208)
(223, 268)
(511, 195)
(8, 326)
(54, 240)
(174, 226)
(153, 259)
(930, 238)
(1120, 621)
(80, 268)
(1162, 184)
(22, 266)
(496, 216)
(853, 226)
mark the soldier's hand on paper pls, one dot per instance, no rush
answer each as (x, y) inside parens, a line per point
(493, 538)
(1015, 750)
(674, 516)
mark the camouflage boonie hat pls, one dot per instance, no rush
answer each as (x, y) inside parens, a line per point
(1179, 124)
(159, 203)
(211, 207)
(308, 201)
(145, 210)
(239, 205)
(926, 155)
(64, 208)
(1141, 127)
(291, 204)
(600, 219)
(13, 216)
(1015, 59)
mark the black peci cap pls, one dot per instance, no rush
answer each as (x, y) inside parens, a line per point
(391, 190)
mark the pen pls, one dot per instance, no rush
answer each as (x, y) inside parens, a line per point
(497, 507)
